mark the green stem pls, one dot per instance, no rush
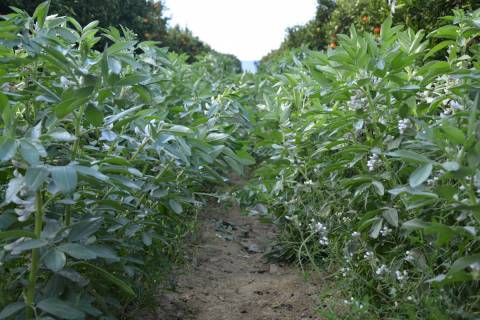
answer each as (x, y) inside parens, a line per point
(144, 143)
(32, 279)
(78, 122)
(78, 133)
(68, 215)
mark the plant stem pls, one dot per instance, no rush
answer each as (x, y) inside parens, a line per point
(68, 215)
(78, 123)
(32, 279)
(140, 148)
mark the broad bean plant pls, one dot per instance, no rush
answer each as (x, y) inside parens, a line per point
(369, 161)
(105, 156)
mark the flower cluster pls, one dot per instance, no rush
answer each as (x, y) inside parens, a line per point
(344, 271)
(385, 231)
(401, 276)
(383, 269)
(369, 255)
(409, 257)
(373, 162)
(403, 125)
(321, 229)
(352, 301)
(358, 101)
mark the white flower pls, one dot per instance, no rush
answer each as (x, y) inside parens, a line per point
(381, 270)
(65, 83)
(323, 241)
(455, 105)
(368, 255)
(385, 231)
(356, 234)
(475, 266)
(344, 271)
(308, 183)
(373, 162)
(409, 256)
(446, 112)
(403, 125)
(401, 275)
(319, 227)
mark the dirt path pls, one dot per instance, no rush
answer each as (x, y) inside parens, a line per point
(229, 278)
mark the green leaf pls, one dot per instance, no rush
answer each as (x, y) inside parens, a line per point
(8, 148)
(91, 171)
(245, 158)
(41, 13)
(29, 152)
(447, 32)
(119, 46)
(65, 177)
(55, 260)
(112, 278)
(439, 47)
(376, 227)
(415, 224)
(94, 116)
(7, 220)
(462, 263)
(420, 175)
(379, 189)
(67, 106)
(28, 245)
(114, 65)
(451, 166)
(60, 134)
(132, 79)
(35, 177)
(408, 155)
(180, 129)
(60, 309)
(391, 215)
(16, 234)
(77, 251)
(104, 252)
(175, 206)
(72, 100)
(84, 229)
(455, 135)
(12, 309)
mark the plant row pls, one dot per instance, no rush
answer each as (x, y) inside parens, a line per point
(104, 158)
(370, 163)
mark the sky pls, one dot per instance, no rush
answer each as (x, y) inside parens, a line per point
(249, 29)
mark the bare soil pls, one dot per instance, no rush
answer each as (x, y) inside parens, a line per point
(229, 277)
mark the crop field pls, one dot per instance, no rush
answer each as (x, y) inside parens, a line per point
(365, 157)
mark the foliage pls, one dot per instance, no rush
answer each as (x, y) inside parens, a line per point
(336, 17)
(370, 164)
(144, 17)
(104, 158)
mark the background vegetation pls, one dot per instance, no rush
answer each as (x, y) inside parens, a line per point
(336, 17)
(144, 17)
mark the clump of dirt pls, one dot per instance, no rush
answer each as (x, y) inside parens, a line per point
(229, 278)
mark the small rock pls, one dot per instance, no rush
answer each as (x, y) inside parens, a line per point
(255, 248)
